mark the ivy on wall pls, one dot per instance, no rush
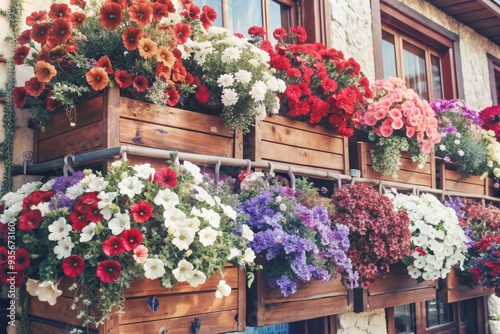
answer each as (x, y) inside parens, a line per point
(13, 15)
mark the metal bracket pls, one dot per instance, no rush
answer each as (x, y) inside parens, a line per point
(271, 168)
(292, 178)
(195, 326)
(27, 158)
(217, 171)
(337, 177)
(67, 167)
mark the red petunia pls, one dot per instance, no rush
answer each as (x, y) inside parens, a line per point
(208, 16)
(131, 37)
(181, 32)
(105, 63)
(192, 11)
(80, 3)
(179, 72)
(73, 266)
(122, 3)
(202, 95)
(97, 78)
(108, 271)
(141, 211)
(113, 245)
(123, 79)
(169, 4)
(36, 198)
(279, 34)
(20, 54)
(140, 83)
(172, 96)
(30, 220)
(167, 177)
(131, 238)
(78, 220)
(77, 19)
(111, 16)
(40, 32)
(59, 11)
(22, 257)
(24, 37)
(36, 17)
(141, 13)
(52, 104)
(159, 11)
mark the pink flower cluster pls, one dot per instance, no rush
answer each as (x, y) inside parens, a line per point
(397, 110)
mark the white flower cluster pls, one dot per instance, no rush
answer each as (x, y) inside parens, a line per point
(493, 152)
(437, 237)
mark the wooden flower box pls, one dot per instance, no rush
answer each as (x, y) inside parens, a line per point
(451, 290)
(177, 312)
(408, 173)
(449, 180)
(279, 139)
(313, 299)
(109, 121)
(397, 288)
(490, 190)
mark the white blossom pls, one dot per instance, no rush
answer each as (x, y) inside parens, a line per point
(64, 248)
(223, 289)
(59, 229)
(119, 223)
(154, 268)
(184, 271)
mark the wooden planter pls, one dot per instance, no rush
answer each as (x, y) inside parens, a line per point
(449, 180)
(397, 288)
(110, 120)
(282, 140)
(490, 190)
(409, 172)
(450, 289)
(313, 299)
(176, 312)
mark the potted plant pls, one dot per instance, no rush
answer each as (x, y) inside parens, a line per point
(398, 121)
(119, 240)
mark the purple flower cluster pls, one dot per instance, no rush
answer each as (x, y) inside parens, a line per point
(299, 243)
(458, 107)
(59, 186)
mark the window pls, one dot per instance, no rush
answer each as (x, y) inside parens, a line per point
(494, 67)
(438, 313)
(404, 319)
(410, 46)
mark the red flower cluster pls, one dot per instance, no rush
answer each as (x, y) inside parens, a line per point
(85, 211)
(491, 119)
(485, 269)
(322, 86)
(379, 234)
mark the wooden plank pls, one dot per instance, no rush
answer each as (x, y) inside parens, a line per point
(406, 165)
(451, 290)
(470, 188)
(164, 137)
(86, 138)
(401, 298)
(61, 311)
(147, 112)
(300, 156)
(397, 280)
(178, 305)
(218, 322)
(111, 117)
(403, 177)
(294, 124)
(310, 290)
(39, 328)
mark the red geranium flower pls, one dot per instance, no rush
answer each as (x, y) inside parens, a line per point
(172, 97)
(141, 13)
(20, 54)
(167, 177)
(203, 94)
(97, 78)
(105, 63)
(59, 11)
(300, 32)
(279, 34)
(280, 62)
(159, 11)
(108, 271)
(73, 266)
(131, 37)
(77, 19)
(80, 3)
(256, 31)
(22, 257)
(36, 17)
(113, 245)
(132, 238)
(4, 254)
(24, 37)
(140, 83)
(208, 16)
(40, 32)
(181, 32)
(111, 16)
(123, 79)
(141, 211)
(30, 220)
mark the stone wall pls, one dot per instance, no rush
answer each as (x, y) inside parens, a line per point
(372, 322)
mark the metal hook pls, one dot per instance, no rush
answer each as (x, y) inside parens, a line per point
(124, 156)
(217, 171)
(381, 187)
(195, 325)
(416, 190)
(271, 168)
(335, 176)
(292, 178)
(354, 173)
(249, 164)
(67, 167)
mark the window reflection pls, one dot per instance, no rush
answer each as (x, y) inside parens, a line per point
(244, 14)
(389, 55)
(438, 313)
(414, 69)
(215, 4)
(404, 319)
(279, 17)
(437, 85)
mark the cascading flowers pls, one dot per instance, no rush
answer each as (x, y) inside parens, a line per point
(438, 242)
(103, 232)
(399, 120)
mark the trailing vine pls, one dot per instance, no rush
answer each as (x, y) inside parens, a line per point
(13, 15)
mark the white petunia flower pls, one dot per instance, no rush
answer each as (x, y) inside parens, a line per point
(59, 229)
(48, 292)
(144, 171)
(32, 286)
(183, 237)
(229, 211)
(63, 248)
(184, 271)
(207, 236)
(88, 232)
(234, 252)
(106, 200)
(43, 207)
(193, 223)
(246, 232)
(88, 179)
(154, 268)
(119, 223)
(166, 198)
(11, 198)
(98, 184)
(211, 216)
(229, 97)
(174, 218)
(28, 188)
(223, 290)
(198, 278)
(116, 164)
(204, 196)
(225, 80)
(130, 186)
(248, 256)
(75, 191)
(194, 170)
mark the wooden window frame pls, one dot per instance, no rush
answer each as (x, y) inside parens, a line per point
(393, 13)
(493, 66)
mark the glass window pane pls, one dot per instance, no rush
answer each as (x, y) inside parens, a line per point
(244, 14)
(389, 55)
(432, 313)
(437, 84)
(279, 17)
(463, 311)
(414, 69)
(497, 83)
(404, 319)
(215, 4)
(438, 313)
